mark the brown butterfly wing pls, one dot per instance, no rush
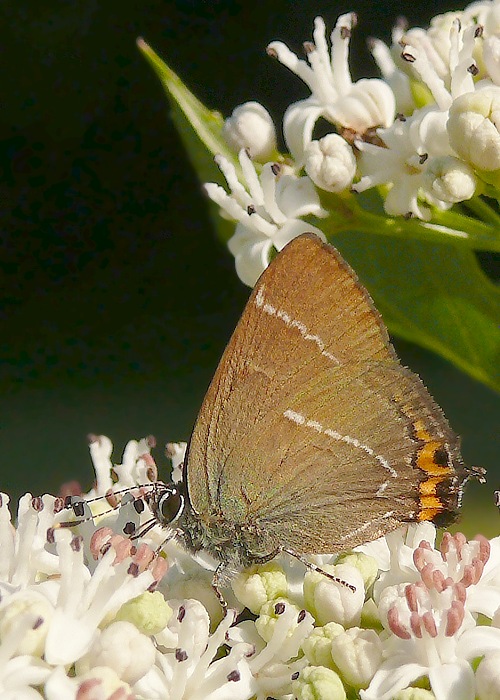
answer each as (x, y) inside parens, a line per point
(311, 428)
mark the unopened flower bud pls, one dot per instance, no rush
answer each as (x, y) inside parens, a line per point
(449, 179)
(318, 646)
(251, 127)
(259, 585)
(123, 648)
(488, 677)
(318, 682)
(414, 694)
(366, 565)
(335, 602)
(474, 128)
(330, 163)
(357, 653)
(149, 612)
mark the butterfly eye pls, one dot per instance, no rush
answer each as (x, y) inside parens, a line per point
(170, 506)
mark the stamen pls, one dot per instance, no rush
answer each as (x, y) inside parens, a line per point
(429, 624)
(395, 624)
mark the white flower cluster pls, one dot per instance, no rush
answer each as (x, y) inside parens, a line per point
(91, 611)
(426, 134)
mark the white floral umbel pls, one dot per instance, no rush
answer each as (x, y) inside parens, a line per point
(88, 613)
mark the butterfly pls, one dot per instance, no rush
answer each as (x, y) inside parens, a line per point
(312, 437)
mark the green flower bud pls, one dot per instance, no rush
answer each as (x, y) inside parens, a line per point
(260, 585)
(318, 683)
(318, 646)
(149, 612)
(366, 565)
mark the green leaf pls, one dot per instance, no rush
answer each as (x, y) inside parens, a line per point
(435, 295)
(199, 128)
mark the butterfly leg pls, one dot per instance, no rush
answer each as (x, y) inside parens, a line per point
(218, 579)
(314, 567)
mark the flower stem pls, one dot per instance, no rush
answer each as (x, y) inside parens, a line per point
(446, 227)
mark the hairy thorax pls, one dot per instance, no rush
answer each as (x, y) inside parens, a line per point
(235, 546)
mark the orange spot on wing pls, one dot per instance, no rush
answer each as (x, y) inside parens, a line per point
(430, 503)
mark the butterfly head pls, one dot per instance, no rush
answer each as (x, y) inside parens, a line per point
(166, 502)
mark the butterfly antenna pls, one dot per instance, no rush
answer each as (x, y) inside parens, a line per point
(318, 569)
(144, 529)
(78, 507)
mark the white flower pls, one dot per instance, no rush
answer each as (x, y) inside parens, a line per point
(402, 162)
(276, 638)
(419, 163)
(188, 670)
(268, 213)
(251, 127)
(356, 107)
(83, 601)
(330, 163)
(24, 553)
(137, 467)
(396, 78)
(431, 621)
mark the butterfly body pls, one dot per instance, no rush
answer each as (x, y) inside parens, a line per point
(312, 437)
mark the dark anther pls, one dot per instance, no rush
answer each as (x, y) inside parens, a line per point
(58, 504)
(301, 616)
(50, 535)
(250, 209)
(37, 503)
(78, 509)
(408, 57)
(76, 543)
(422, 158)
(181, 614)
(105, 548)
(479, 31)
(139, 505)
(295, 676)
(345, 33)
(271, 52)
(309, 47)
(473, 69)
(68, 502)
(133, 570)
(180, 655)
(129, 528)
(38, 623)
(400, 117)
(279, 608)
(233, 676)
(275, 169)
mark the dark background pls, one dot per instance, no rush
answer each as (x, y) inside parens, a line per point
(116, 301)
